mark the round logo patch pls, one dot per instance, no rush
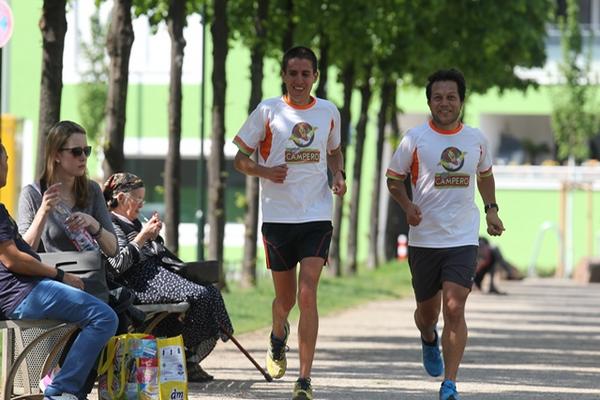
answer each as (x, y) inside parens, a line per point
(452, 159)
(303, 134)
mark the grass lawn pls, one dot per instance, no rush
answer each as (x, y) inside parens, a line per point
(250, 309)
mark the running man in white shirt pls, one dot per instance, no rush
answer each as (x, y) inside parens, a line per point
(297, 138)
(445, 159)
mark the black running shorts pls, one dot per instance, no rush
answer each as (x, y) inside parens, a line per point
(431, 267)
(287, 244)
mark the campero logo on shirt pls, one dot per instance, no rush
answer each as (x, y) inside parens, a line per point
(452, 160)
(303, 134)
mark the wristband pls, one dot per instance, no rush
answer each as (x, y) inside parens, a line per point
(98, 232)
(487, 207)
(60, 275)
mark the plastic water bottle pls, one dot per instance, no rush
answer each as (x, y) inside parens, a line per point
(81, 238)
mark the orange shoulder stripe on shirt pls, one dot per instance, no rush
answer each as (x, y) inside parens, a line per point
(265, 145)
(394, 175)
(244, 148)
(486, 173)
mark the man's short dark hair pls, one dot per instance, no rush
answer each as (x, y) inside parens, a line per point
(447, 75)
(299, 52)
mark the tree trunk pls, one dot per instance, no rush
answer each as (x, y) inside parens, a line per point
(53, 25)
(361, 131)
(257, 54)
(216, 162)
(338, 208)
(119, 42)
(175, 23)
(395, 222)
(323, 66)
(372, 255)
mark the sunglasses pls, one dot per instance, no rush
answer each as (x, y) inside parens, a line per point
(78, 151)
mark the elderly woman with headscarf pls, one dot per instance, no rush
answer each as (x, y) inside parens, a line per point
(139, 266)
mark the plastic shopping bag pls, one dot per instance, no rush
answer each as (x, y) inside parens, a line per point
(128, 368)
(172, 370)
(136, 366)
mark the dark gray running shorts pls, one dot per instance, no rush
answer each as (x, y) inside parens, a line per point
(430, 267)
(287, 244)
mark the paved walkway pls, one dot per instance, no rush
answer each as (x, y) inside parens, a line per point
(542, 341)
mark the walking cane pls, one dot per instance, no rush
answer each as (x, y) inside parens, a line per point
(268, 377)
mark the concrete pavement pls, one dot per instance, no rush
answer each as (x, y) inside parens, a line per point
(542, 341)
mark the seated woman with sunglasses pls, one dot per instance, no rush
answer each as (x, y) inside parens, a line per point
(34, 290)
(64, 188)
(64, 184)
(139, 266)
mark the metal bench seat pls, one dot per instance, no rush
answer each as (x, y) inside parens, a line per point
(21, 354)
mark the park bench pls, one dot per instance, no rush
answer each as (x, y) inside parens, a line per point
(30, 348)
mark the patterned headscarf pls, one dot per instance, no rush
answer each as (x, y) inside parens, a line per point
(121, 182)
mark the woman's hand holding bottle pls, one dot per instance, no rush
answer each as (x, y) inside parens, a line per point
(50, 198)
(74, 224)
(79, 221)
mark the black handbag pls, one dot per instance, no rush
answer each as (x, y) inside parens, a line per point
(201, 272)
(87, 265)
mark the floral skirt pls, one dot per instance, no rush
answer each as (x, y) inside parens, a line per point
(203, 321)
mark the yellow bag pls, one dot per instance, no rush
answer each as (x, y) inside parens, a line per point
(138, 366)
(172, 373)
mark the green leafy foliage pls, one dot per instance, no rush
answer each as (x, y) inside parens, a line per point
(157, 11)
(92, 91)
(242, 15)
(574, 114)
(486, 40)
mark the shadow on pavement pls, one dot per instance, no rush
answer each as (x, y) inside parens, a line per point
(542, 341)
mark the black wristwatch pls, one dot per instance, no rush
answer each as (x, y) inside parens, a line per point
(487, 207)
(60, 275)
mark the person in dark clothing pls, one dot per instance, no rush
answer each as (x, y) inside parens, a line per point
(487, 260)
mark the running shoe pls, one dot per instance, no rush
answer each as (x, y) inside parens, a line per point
(276, 360)
(302, 389)
(448, 391)
(432, 358)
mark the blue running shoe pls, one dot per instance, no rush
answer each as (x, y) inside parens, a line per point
(432, 359)
(448, 391)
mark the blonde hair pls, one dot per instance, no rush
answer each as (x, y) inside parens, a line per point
(55, 141)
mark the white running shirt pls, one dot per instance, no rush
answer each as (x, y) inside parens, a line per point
(444, 166)
(301, 137)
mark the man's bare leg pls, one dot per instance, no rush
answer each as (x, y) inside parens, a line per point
(308, 326)
(454, 337)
